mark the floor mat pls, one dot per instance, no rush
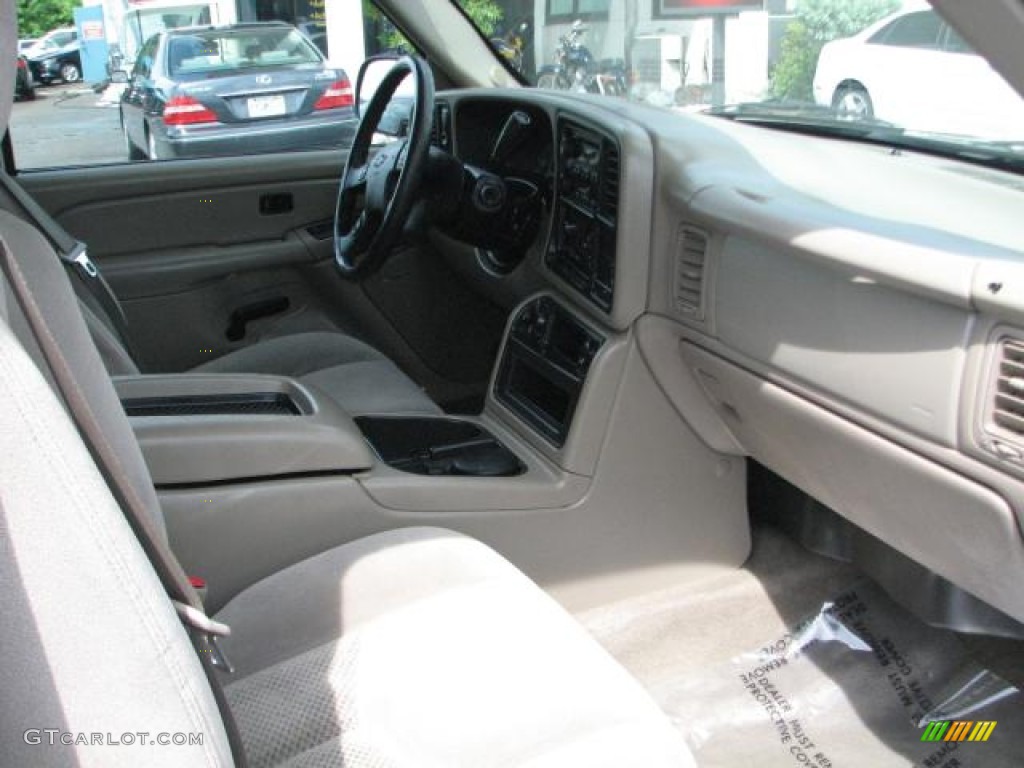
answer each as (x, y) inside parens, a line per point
(798, 661)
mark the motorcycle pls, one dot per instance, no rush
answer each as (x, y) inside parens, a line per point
(513, 45)
(577, 70)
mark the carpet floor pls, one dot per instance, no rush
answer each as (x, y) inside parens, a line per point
(799, 660)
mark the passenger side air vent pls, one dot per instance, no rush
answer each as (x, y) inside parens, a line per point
(1001, 428)
(610, 182)
(691, 258)
(1008, 408)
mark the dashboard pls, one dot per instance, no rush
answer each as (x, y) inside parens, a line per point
(575, 167)
(850, 316)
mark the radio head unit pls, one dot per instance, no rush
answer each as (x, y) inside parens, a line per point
(583, 243)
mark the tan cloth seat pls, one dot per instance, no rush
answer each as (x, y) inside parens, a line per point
(422, 647)
(354, 374)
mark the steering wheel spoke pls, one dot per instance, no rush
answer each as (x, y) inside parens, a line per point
(376, 193)
(403, 154)
(355, 179)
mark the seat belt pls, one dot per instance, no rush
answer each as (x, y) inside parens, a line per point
(202, 630)
(75, 256)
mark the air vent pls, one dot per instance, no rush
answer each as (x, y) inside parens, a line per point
(610, 182)
(441, 130)
(1008, 408)
(691, 258)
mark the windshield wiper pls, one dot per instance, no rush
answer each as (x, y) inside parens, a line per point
(823, 121)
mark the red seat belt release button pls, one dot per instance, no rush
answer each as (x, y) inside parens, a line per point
(199, 585)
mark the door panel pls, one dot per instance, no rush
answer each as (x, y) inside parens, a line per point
(196, 245)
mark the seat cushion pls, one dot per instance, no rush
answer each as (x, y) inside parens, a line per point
(355, 375)
(422, 647)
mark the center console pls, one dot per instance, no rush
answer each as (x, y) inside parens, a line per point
(433, 445)
(544, 366)
(198, 429)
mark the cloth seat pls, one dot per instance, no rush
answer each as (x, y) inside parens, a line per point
(354, 374)
(422, 647)
(351, 372)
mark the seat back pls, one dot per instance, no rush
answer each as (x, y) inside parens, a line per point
(92, 654)
(112, 347)
(89, 643)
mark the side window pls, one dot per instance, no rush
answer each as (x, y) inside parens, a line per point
(144, 63)
(65, 38)
(275, 76)
(915, 30)
(577, 9)
(954, 43)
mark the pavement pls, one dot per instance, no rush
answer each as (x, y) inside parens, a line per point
(67, 125)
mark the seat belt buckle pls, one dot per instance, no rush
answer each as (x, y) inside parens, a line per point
(79, 257)
(206, 631)
(218, 658)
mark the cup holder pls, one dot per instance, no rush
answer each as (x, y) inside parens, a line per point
(438, 446)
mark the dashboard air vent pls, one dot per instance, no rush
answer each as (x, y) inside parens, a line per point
(691, 258)
(610, 182)
(441, 130)
(1008, 408)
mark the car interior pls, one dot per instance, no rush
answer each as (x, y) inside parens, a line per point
(562, 430)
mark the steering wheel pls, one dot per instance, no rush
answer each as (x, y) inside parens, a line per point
(376, 195)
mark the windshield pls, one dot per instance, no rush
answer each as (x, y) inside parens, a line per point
(839, 64)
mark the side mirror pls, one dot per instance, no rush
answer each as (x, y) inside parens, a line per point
(119, 76)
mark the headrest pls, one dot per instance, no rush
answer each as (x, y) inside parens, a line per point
(8, 58)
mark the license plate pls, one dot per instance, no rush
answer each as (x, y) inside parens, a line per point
(267, 106)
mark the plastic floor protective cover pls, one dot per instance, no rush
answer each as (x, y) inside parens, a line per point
(854, 681)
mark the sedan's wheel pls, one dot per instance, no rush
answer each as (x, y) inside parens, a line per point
(70, 73)
(852, 102)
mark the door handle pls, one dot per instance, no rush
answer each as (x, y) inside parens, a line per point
(242, 316)
(275, 203)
